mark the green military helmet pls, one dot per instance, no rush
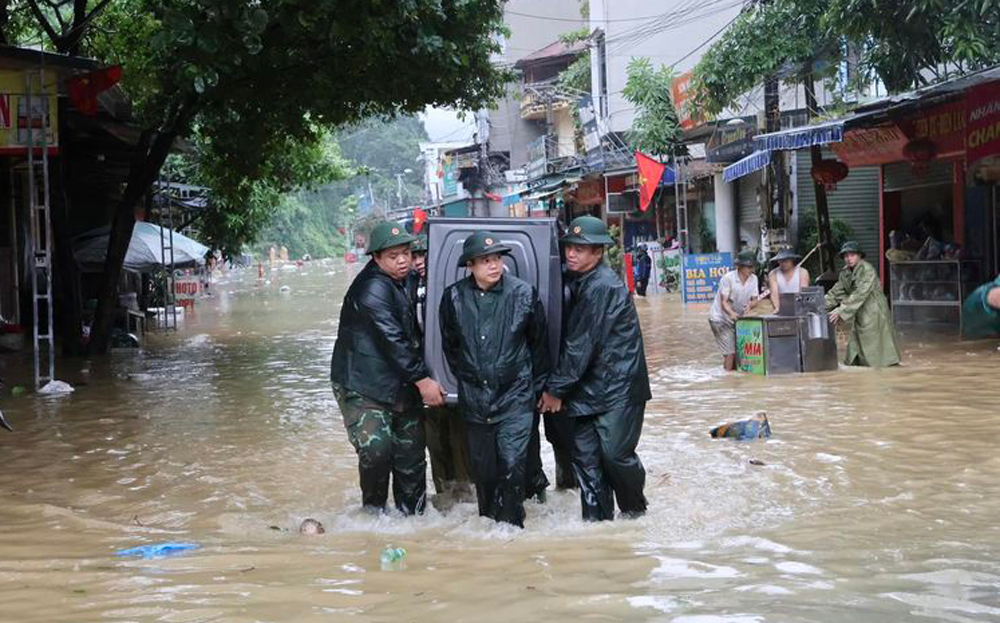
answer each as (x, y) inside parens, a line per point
(746, 258)
(420, 244)
(388, 234)
(851, 247)
(479, 244)
(587, 230)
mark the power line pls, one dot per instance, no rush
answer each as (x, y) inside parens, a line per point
(706, 41)
(582, 19)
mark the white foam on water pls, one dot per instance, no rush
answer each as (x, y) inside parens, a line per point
(801, 568)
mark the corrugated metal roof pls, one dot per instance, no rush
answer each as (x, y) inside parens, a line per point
(553, 51)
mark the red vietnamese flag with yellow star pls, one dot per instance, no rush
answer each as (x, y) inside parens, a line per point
(650, 172)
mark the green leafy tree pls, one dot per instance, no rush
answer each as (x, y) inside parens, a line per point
(655, 128)
(904, 44)
(911, 43)
(576, 77)
(764, 39)
(257, 79)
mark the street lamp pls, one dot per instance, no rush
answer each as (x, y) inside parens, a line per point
(399, 185)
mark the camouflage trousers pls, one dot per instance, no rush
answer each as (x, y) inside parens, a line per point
(388, 442)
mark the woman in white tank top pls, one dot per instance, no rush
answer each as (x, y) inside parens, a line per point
(787, 277)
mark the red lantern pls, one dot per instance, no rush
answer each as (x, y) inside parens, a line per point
(920, 152)
(828, 173)
(83, 89)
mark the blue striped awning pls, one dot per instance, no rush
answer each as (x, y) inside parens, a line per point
(800, 138)
(754, 162)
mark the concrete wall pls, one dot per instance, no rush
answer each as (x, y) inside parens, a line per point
(549, 19)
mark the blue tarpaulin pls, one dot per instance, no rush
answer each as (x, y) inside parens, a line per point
(754, 162)
(799, 138)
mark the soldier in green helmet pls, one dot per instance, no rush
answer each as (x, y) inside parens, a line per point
(495, 338)
(379, 376)
(601, 381)
(858, 297)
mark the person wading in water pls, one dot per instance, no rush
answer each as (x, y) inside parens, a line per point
(495, 338)
(379, 377)
(601, 379)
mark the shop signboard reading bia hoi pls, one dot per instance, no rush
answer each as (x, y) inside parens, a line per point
(18, 112)
(701, 274)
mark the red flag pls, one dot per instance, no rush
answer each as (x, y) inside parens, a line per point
(84, 89)
(419, 218)
(650, 172)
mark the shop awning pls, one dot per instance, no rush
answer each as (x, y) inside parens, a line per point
(800, 138)
(540, 195)
(754, 162)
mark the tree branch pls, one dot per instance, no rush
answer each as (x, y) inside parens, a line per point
(81, 21)
(49, 30)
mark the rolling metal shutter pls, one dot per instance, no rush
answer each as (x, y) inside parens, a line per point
(749, 211)
(855, 200)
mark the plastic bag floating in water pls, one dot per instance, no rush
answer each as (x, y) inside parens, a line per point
(56, 388)
(159, 550)
(756, 427)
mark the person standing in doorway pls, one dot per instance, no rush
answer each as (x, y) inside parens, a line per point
(857, 297)
(601, 379)
(738, 293)
(787, 277)
(495, 338)
(379, 377)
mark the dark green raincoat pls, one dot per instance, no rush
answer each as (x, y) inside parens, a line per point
(858, 297)
(602, 380)
(602, 363)
(376, 361)
(496, 344)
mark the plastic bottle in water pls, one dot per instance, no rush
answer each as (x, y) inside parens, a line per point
(393, 559)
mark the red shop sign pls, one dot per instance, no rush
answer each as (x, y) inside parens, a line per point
(943, 125)
(871, 146)
(982, 130)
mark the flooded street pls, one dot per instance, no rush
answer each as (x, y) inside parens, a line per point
(877, 501)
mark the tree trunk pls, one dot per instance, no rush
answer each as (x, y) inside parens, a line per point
(4, 21)
(826, 252)
(69, 310)
(145, 169)
(144, 172)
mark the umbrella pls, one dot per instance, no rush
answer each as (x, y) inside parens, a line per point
(144, 250)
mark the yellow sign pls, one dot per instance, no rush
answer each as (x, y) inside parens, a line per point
(25, 120)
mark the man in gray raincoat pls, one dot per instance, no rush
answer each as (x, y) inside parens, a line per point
(379, 377)
(494, 336)
(858, 297)
(601, 380)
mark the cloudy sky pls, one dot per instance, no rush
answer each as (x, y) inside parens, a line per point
(443, 125)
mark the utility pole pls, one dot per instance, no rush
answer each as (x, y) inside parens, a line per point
(772, 186)
(826, 261)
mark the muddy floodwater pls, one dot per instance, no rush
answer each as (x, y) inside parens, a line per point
(878, 498)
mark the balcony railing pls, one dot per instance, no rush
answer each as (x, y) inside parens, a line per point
(539, 98)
